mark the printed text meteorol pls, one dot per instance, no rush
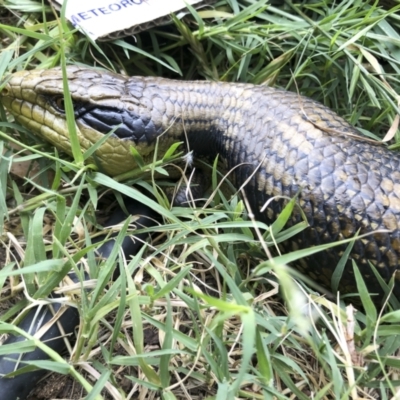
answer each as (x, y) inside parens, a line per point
(98, 12)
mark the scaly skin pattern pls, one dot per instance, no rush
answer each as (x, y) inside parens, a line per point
(289, 144)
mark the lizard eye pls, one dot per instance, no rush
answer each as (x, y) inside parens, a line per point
(58, 103)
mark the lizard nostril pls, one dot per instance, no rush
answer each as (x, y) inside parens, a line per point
(5, 91)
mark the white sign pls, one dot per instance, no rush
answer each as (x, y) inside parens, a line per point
(102, 17)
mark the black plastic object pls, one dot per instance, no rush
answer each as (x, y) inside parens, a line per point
(20, 386)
